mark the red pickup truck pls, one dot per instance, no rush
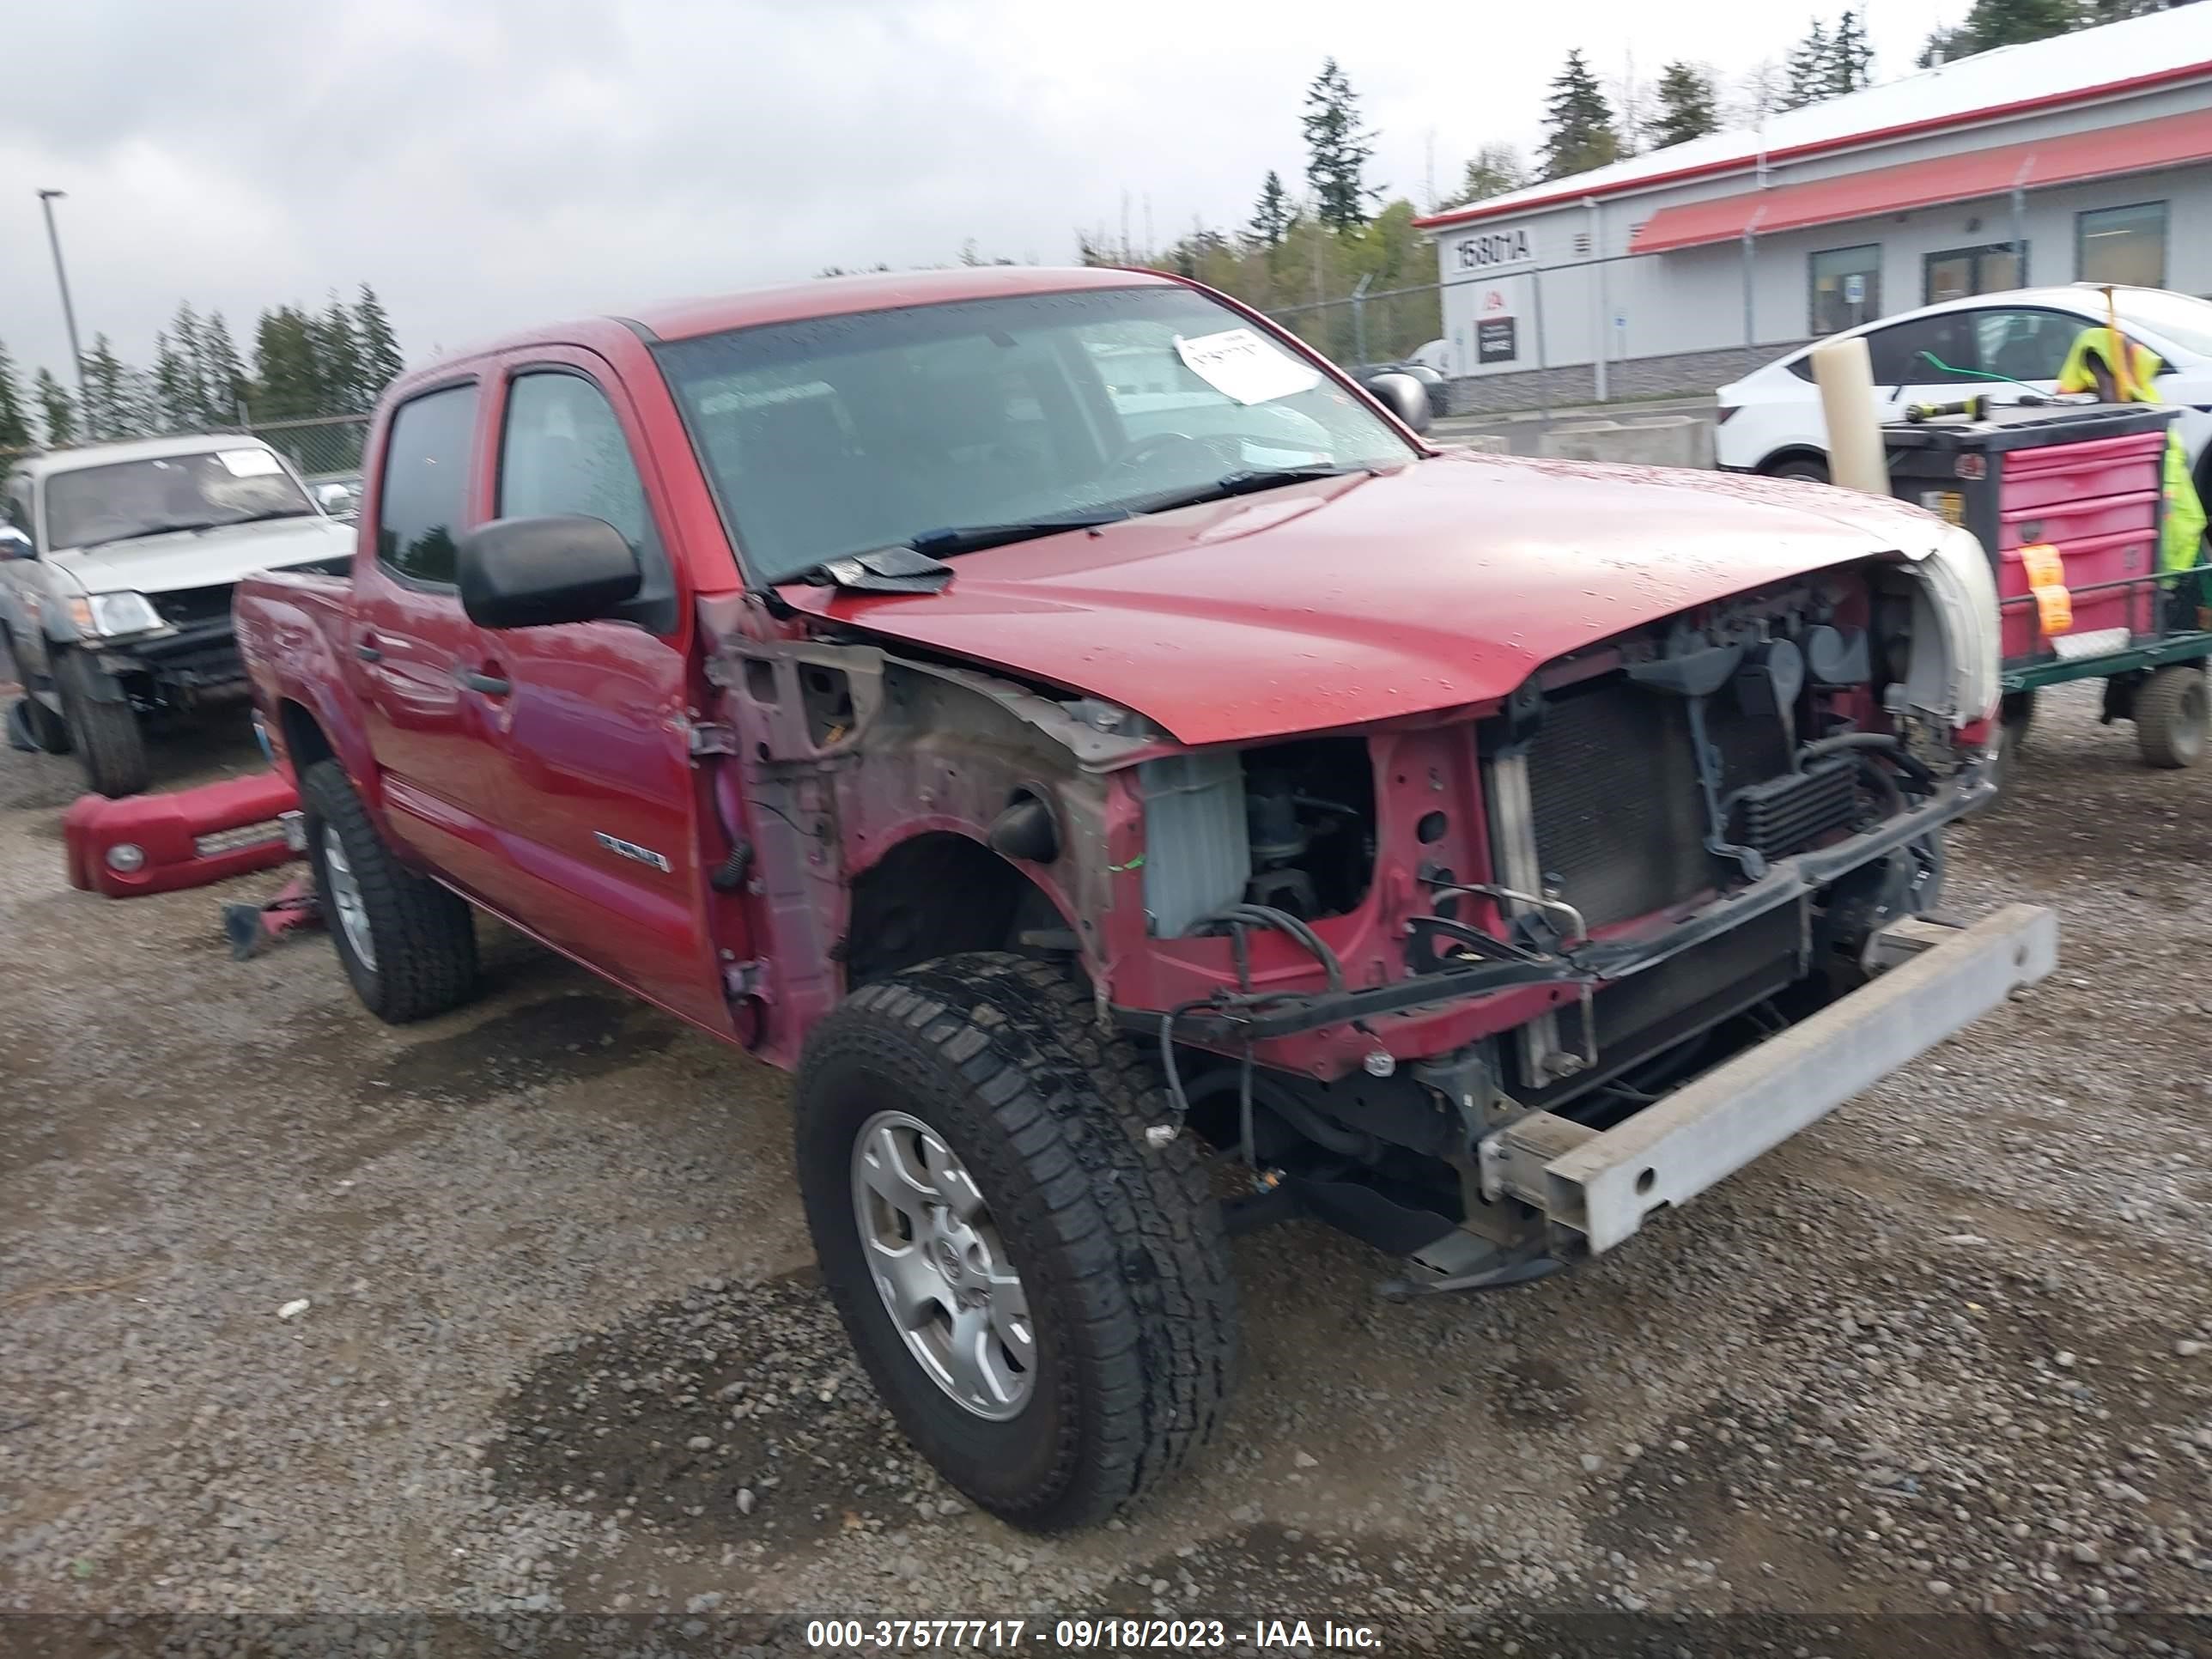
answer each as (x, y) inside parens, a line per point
(1146, 791)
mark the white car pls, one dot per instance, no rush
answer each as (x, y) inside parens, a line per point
(1771, 420)
(117, 565)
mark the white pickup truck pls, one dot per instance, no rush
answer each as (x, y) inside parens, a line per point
(117, 567)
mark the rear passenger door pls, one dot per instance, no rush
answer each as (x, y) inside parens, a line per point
(1922, 360)
(411, 642)
(2027, 344)
(598, 789)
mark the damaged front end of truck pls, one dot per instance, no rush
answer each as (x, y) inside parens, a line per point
(1485, 985)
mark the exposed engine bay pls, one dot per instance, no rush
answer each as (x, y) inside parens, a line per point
(1695, 829)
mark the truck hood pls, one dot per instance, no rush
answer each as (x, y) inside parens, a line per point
(1445, 582)
(207, 558)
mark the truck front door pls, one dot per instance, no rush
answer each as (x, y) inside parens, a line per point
(599, 796)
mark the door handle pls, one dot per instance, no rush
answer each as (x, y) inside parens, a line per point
(367, 651)
(491, 684)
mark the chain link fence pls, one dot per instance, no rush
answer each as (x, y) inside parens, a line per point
(319, 446)
(1366, 327)
(1587, 330)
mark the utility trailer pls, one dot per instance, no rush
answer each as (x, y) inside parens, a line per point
(2069, 502)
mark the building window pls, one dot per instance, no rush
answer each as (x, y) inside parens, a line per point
(1960, 271)
(2122, 245)
(1846, 288)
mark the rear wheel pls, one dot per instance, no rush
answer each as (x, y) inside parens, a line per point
(109, 744)
(2170, 715)
(47, 728)
(1042, 1298)
(407, 944)
(1801, 466)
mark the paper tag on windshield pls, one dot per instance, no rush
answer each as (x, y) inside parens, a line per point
(1239, 364)
(248, 463)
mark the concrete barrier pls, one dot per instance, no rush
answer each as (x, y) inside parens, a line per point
(1656, 440)
(1485, 443)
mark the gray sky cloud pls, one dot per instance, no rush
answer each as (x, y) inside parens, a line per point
(486, 163)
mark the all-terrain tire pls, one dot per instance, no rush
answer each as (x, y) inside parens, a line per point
(423, 937)
(108, 742)
(2170, 715)
(1118, 1244)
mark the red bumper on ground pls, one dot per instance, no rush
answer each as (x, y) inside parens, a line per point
(159, 843)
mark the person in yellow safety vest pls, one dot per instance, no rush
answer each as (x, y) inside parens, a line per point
(2089, 366)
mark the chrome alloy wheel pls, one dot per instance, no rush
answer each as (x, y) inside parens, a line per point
(346, 899)
(940, 1266)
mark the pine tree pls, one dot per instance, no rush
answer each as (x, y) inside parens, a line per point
(222, 375)
(58, 409)
(107, 412)
(1993, 23)
(176, 387)
(1272, 214)
(380, 361)
(1495, 169)
(192, 400)
(15, 418)
(288, 374)
(1688, 105)
(1337, 151)
(1810, 68)
(1850, 54)
(1578, 123)
(338, 350)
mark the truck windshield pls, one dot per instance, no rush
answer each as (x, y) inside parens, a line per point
(123, 500)
(836, 435)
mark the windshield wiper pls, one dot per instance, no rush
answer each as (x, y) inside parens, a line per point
(141, 535)
(1249, 482)
(955, 538)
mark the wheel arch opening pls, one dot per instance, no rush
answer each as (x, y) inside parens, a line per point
(305, 741)
(936, 894)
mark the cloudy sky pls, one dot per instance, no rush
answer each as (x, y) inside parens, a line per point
(486, 163)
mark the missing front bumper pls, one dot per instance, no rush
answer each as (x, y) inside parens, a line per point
(1603, 1186)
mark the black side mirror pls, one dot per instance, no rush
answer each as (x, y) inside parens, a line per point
(1403, 396)
(533, 573)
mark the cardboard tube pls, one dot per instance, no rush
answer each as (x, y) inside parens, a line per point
(1844, 374)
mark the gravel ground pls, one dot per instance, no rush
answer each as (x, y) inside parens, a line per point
(1950, 1352)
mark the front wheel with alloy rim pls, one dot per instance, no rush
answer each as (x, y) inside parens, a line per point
(1041, 1298)
(408, 945)
(2170, 713)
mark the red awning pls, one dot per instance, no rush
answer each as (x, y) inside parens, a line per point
(2172, 141)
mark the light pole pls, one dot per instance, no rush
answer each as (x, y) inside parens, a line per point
(61, 275)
